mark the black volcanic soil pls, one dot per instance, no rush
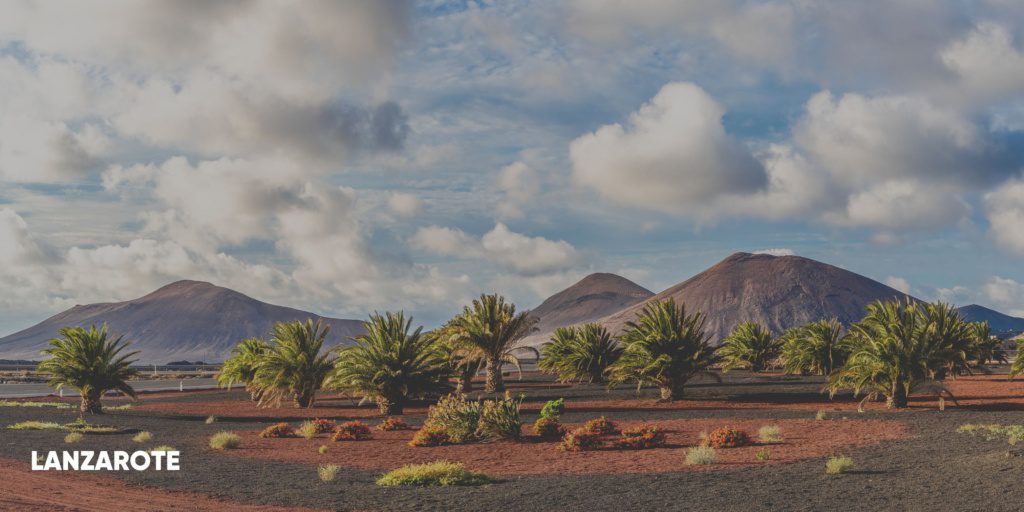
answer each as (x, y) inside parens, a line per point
(931, 468)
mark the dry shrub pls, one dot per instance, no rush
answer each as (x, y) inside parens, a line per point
(352, 431)
(277, 431)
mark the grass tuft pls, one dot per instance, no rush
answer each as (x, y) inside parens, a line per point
(770, 434)
(35, 425)
(164, 448)
(820, 415)
(838, 465)
(764, 454)
(55, 405)
(225, 440)
(441, 473)
(322, 449)
(122, 407)
(701, 455)
(73, 438)
(210, 420)
(327, 472)
(143, 437)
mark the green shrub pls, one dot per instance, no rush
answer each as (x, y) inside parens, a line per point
(820, 415)
(547, 428)
(641, 438)
(225, 441)
(701, 455)
(310, 428)
(580, 440)
(122, 407)
(352, 431)
(456, 417)
(34, 425)
(430, 435)
(55, 405)
(769, 434)
(73, 438)
(838, 465)
(391, 423)
(764, 454)
(553, 409)
(600, 426)
(80, 425)
(277, 431)
(728, 437)
(143, 437)
(441, 473)
(327, 472)
(990, 431)
(499, 419)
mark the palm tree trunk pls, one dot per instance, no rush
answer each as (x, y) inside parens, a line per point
(494, 383)
(389, 406)
(304, 399)
(898, 398)
(466, 381)
(91, 402)
(671, 391)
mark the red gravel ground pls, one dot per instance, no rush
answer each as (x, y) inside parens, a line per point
(389, 450)
(30, 491)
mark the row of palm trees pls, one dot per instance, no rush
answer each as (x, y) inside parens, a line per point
(898, 348)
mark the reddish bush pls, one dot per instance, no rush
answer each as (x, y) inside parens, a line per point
(600, 426)
(322, 426)
(279, 430)
(392, 423)
(581, 440)
(430, 436)
(548, 428)
(352, 431)
(728, 437)
(641, 438)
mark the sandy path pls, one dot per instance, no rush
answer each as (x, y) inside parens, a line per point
(27, 490)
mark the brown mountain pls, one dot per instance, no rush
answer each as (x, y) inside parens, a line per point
(186, 320)
(1002, 324)
(592, 298)
(776, 291)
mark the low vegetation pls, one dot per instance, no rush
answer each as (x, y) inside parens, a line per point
(225, 441)
(838, 465)
(581, 440)
(391, 423)
(311, 428)
(769, 434)
(601, 426)
(820, 415)
(499, 419)
(210, 420)
(764, 454)
(990, 431)
(352, 431)
(440, 473)
(73, 438)
(55, 405)
(327, 472)
(164, 448)
(728, 437)
(641, 438)
(699, 455)
(322, 450)
(465, 421)
(35, 425)
(143, 437)
(430, 435)
(277, 431)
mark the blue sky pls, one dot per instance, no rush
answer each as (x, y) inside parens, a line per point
(352, 156)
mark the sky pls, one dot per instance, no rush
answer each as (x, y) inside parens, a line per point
(351, 156)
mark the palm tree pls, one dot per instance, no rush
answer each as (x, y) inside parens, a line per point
(579, 353)
(953, 334)
(491, 328)
(1018, 362)
(665, 347)
(897, 349)
(984, 346)
(241, 367)
(817, 348)
(750, 346)
(389, 364)
(460, 360)
(295, 365)
(88, 360)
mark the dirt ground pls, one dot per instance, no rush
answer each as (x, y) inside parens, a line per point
(907, 460)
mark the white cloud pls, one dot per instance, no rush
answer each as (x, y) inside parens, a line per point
(1005, 210)
(405, 205)
(1006, 294)
(521, 254)
(520, 185)
(673, 155)
(47, 151)
(898, 283)
(987, 63)
(778, 251)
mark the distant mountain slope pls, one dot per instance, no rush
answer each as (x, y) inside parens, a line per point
(593, 297)
(186, 320)
(776, 291)
(1002, 324)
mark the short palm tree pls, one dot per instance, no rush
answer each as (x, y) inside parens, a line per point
(815, 348)
(666, 347)
(461, 361)
(490, 327)
(389, 364)
(90, 361)
(579, 353)
(241, 367)
(953, 334)
(1018, 362)
(295, 365)
(750, 346)
(985, 347)
(897, 349)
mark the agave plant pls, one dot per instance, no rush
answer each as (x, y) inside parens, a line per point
(665, 347)
(985, 347)
(90, 361)
(815, 348)
(389, 364)
(750, 346)
(490, 327)
(241, 367)
(579, 353)
(898, 349)
(295, 365)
